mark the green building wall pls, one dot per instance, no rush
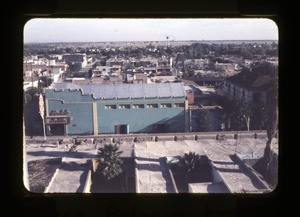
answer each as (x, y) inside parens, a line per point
(139, 120)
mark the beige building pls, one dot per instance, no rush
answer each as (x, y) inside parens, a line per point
(140, 78)
(227, 68)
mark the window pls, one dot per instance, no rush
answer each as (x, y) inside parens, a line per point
(256, 98)
(124, 106)
(138, 106)
(166, 105)
(243, 93)
(178, 105)
(110, 106)
(152, 106)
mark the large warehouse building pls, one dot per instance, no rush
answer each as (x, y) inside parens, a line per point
(91, 109)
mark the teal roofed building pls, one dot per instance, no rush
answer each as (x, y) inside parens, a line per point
(92, 109)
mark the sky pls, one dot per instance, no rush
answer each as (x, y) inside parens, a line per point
(41, 30)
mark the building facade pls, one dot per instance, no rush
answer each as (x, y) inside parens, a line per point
(91, 109)
(251, 87)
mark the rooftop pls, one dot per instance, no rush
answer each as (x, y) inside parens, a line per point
(112, 91)
(250, 80)
(151, 173)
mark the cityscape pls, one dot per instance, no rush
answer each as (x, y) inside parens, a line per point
(168, 115)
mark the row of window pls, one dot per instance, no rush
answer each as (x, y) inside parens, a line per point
(141, 106)
(235, 90)
(256, 96)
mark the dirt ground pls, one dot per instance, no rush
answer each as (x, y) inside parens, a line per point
(40, 173)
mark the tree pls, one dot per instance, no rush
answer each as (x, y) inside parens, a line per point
(272, 106)
(45, 81)
(243, 114)
(269, 158)
(265, 68)
(32, 94)
(89, 73)
(188, 161)
(74, 67)
(205, 121)
(109, 161)
(272, 119)
(237, 113)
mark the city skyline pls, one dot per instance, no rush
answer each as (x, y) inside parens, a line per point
(104, 30)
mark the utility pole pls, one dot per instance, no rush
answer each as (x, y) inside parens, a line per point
(31, 73)
(190, 115)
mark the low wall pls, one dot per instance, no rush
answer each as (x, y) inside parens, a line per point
(109, 138)
(51, 181)
(88, 182)
(217, 177)
(184, 137)
(139, 138)
(170, 174)
(137, 186)
(253, 173)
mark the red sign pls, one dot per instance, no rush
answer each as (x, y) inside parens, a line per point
(58, 120)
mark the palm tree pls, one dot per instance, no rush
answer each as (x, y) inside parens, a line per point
(188, 162)
(109, 161)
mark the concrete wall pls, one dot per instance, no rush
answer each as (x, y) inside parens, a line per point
(88, 183)
(139, 120)
(82, 122)
(170, 174)
(216, 175)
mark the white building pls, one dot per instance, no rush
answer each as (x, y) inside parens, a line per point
(29, 82)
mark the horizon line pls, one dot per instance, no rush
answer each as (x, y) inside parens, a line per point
(188, 40)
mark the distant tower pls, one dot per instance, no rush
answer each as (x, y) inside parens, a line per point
(167, 41)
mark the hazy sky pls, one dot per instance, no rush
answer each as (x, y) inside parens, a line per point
(98, 30)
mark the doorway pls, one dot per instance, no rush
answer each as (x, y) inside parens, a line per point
(57, 129)
(162, 128)
(122, 129)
